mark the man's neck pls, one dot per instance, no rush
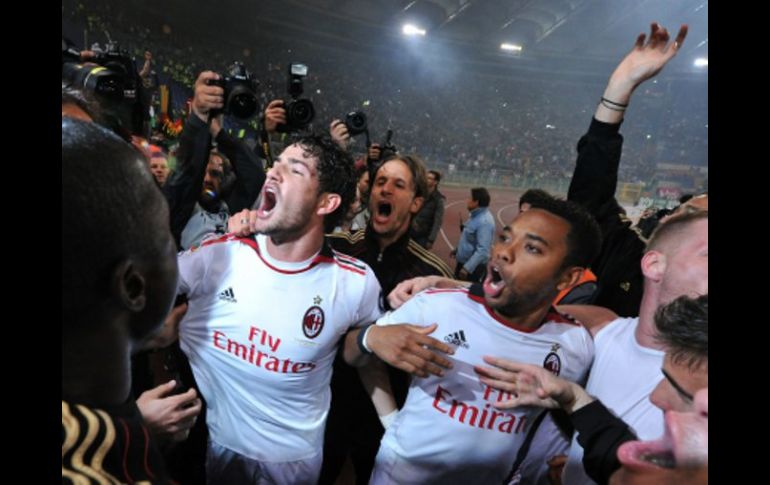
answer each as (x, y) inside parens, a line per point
(297, 249)
(529, 320)
(645, 331)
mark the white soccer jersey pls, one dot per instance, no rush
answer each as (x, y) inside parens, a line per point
(261, 336)
(623, 376)
(448, 431)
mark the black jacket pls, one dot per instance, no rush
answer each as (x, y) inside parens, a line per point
(402, 260)
(618, 267)
(427, 221)
(600, 433)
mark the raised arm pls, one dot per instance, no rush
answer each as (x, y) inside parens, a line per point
(595, 179)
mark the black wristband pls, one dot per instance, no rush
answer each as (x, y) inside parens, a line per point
(360, 341)
(609, 106)
(614, 103)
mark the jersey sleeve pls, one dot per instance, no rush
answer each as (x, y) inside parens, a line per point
(585, 355)
(197, 268)
(369, 310)
(412, 312)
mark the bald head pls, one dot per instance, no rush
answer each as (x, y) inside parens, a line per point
(113, 214)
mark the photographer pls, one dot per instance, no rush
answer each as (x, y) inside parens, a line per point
(201, 192)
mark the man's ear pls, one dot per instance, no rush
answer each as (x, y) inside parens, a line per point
(416, 205)
(328, 203)
(569, 277)
(128, 286)
(654, 265)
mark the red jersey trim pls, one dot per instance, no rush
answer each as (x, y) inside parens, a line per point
(126, 444)
(357, 263)
(547, 319)
(350, 268)
(252, 243)
(446, 290)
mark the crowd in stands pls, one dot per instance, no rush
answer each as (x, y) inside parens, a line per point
(501, 125)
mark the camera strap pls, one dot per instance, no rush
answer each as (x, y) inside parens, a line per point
(264, 139)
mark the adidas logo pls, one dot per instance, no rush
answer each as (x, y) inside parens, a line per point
(228, 295)
(457, 338)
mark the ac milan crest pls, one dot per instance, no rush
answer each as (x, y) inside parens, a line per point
(552, 362)
(313, 322)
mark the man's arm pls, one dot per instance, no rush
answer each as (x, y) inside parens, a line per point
(339, 133)
(250, 176)
(184, 185)
(405, 290)
(406, 347)
(592, 317)
(595, 178)
(169, 416)
(375, 379)
(600, 433)
(270, 139)
(484, 235)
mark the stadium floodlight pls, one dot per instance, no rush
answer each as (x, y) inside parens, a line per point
(510, 47)
(410, 29)
(701, 62)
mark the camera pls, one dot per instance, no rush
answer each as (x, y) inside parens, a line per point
(240, 92)
(108, 73)
(299, 112)
(355, 121)
(109, 76)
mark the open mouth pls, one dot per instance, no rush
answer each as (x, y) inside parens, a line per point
(384, 209)
(493, 283)
(269, 202)
(658, 453)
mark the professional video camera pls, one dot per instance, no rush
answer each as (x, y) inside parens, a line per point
(109, 73)
(299, 112)
(355, 121)
(240, 92)
(110, 76)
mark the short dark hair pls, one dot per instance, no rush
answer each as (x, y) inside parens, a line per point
(584, 239)
(227, 167)
(416, 166)
(108, 196)
(336, 174)
(533, 197)
(436, 174)
(671, 228)
(481, 195)
(683, 330)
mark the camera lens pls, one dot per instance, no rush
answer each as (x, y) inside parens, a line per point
(242, 103)
(96, 79)
(356, 123)
(300, 113)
